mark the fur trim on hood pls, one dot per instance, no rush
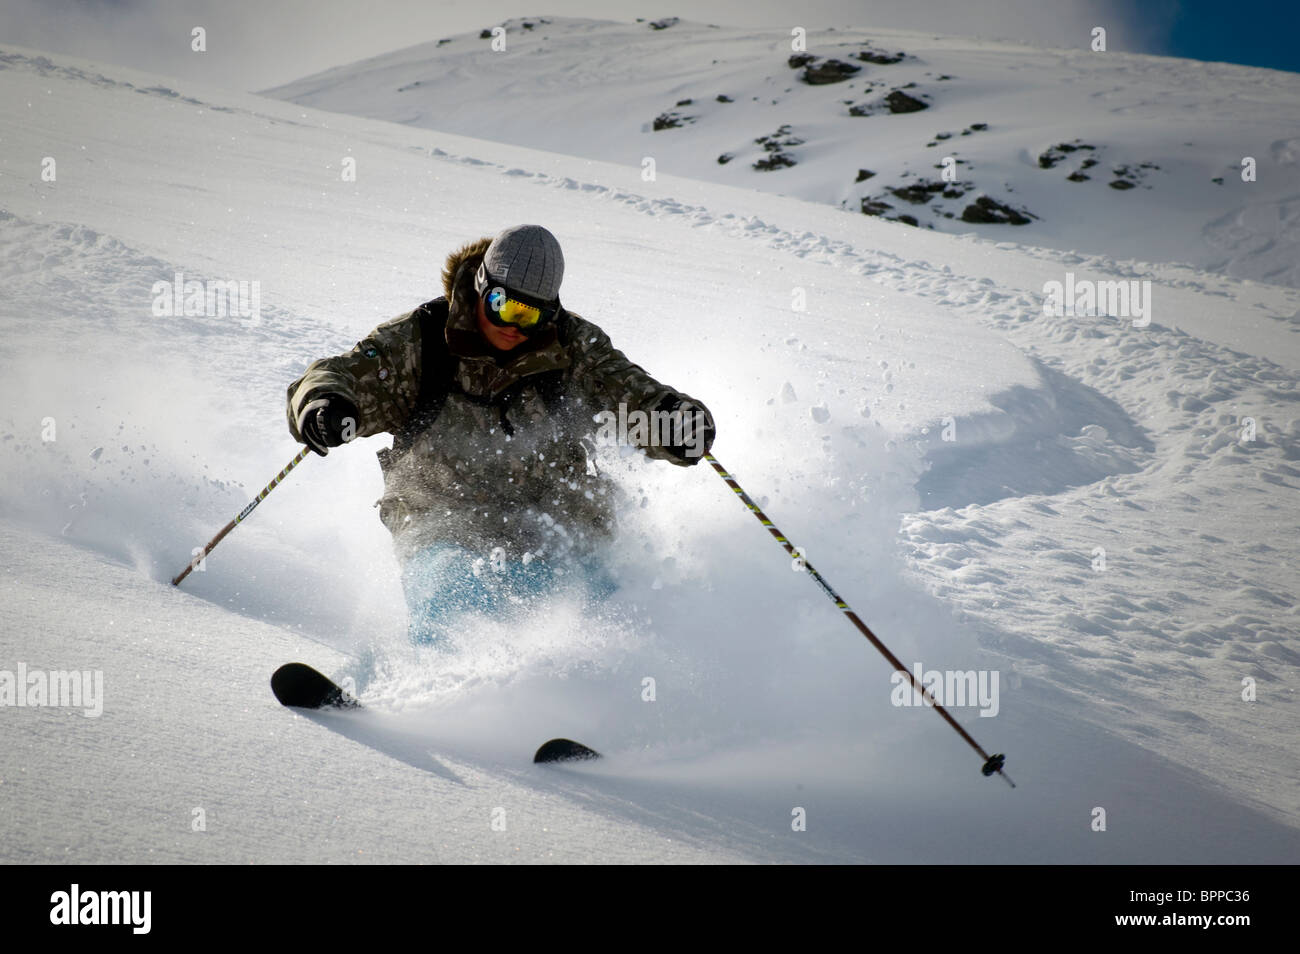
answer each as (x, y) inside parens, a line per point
(471, 253)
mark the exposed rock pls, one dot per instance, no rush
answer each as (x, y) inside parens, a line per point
(1058, 152)
(918, 193)
(775, 160)
(671, 121)
(986, 211)
(883, 59)
(907, 220)
(665, 23)
(875, 207)
(725, 158)
(864, 175)
(900, 102)
(774, 142)
(827, 72)
(799, 59)
(724, 98)
(896, 102)
(1078, 177)
(684, 102)
(1127, 177)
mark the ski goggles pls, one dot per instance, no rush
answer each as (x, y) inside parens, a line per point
(511, 309)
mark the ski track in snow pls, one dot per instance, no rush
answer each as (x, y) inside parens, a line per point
(1122, 438)
(1168, 510)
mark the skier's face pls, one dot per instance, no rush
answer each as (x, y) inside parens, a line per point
(503, 339)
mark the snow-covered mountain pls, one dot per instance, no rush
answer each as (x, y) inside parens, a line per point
(1127, 155)
(1097, 509)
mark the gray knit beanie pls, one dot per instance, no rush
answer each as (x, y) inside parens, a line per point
(527, 259)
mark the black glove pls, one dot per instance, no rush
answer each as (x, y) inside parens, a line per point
(692, 430)
(327, 421)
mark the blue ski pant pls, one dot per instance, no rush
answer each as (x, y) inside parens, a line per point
(444, 582)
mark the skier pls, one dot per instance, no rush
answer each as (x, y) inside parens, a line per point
(490, 393)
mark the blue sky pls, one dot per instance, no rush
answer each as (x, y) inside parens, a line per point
(1256, 34)
(255, 44)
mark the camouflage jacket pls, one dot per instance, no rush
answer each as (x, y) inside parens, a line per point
(505, 462)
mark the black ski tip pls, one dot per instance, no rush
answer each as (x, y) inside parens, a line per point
(564, 750)
(297, 684)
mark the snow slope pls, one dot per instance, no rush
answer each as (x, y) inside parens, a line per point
(1120, 689)
(1127, 155)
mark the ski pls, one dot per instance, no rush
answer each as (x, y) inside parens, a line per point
(297, 684)
(300, 686)
(564, 750)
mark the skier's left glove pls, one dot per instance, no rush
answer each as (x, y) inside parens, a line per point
(692, 430)
(327, 421)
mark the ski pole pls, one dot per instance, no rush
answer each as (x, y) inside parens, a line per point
(992, 763)
(212, 544)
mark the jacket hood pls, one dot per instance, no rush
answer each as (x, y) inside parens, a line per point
(471, 253)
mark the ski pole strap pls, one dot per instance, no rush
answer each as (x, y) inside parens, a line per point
(252, 505)
(992, 763)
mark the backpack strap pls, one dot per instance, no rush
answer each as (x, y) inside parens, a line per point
(437, 373)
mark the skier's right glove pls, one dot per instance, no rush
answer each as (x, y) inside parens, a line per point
(327, 421)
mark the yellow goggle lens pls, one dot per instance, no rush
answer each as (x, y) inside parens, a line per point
(508, 311)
